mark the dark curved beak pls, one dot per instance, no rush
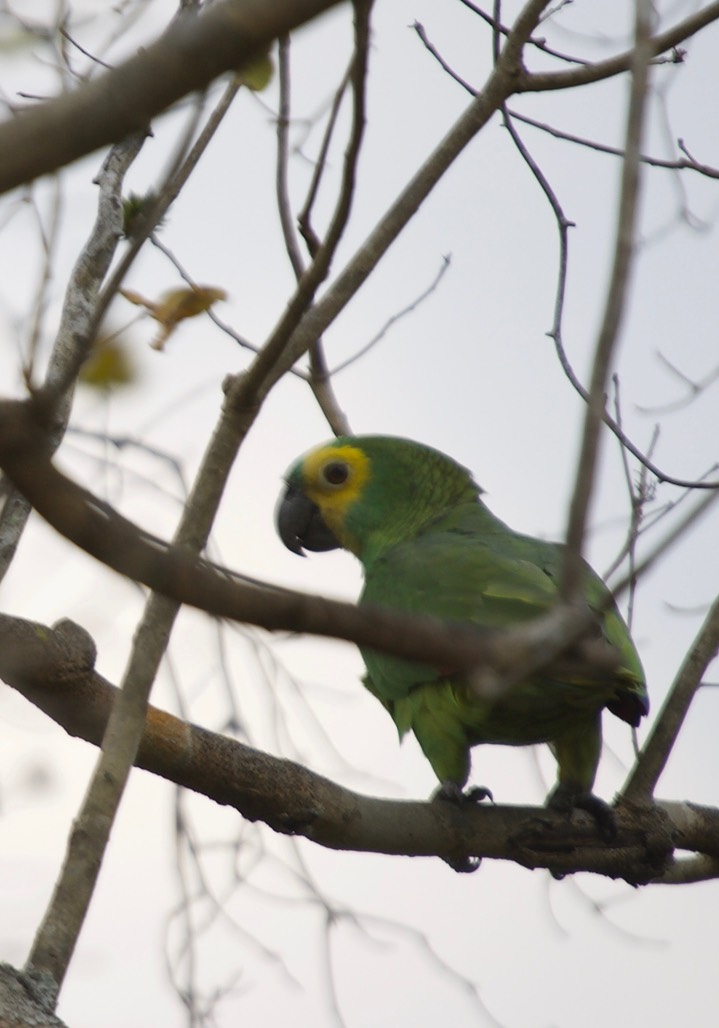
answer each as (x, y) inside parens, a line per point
(300, 524)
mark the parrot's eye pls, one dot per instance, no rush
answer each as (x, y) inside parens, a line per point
(335, 473)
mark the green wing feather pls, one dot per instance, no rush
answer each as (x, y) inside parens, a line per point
(468, 566)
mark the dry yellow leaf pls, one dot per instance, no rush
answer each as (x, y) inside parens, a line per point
(174, 306)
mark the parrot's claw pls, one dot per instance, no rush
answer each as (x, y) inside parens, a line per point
(450, 792)
(566, 799)
(478, 793)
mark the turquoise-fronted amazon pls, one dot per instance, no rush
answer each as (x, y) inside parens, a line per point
(428, 544)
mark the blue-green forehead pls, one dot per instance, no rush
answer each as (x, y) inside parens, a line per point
(293, 475)
(388, 451)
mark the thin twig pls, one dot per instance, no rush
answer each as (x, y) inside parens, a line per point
(638, 496)
(694, 389)
(564, 224)
(394, 318)
(304, 218)
(182, 164)
(539, 44)
(49, 241)
(292, 336)
(572, 575)
(281, 173)
(683, 164)
(96, 61)
(319, 377)
(681, 528)
(429, 46)
(642, 781)
(187, 277)
(610, 422)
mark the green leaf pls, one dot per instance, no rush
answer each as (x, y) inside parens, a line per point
(257, 74)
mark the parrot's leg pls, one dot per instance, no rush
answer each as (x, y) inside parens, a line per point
(444, 744)
(577, 752)
(565, 798)
(451, 792)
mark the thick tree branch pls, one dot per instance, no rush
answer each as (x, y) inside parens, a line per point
(193, 51)
(95, 527)
(24, 1001)
(53, 669)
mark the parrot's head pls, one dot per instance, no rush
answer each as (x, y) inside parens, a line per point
(364, 493)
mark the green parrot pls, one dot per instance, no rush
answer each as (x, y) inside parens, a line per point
(429, 545)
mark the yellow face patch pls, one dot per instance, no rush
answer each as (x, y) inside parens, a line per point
(334, 477)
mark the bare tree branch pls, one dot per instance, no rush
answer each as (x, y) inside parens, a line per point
(643, 778)
(283, 348)
(394, 318)
(281, 185)
(615, 303)
(304, 218)
(687, 163)
(98, 529)
(564, 224)
(320, 380)
(57, 935)
(53, 669)
(596, 72)
(319, 377)
(77, 317)
(194, 50)
(24, 1000)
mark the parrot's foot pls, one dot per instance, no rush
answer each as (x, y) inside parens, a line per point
(566, 799)
(450, 792)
